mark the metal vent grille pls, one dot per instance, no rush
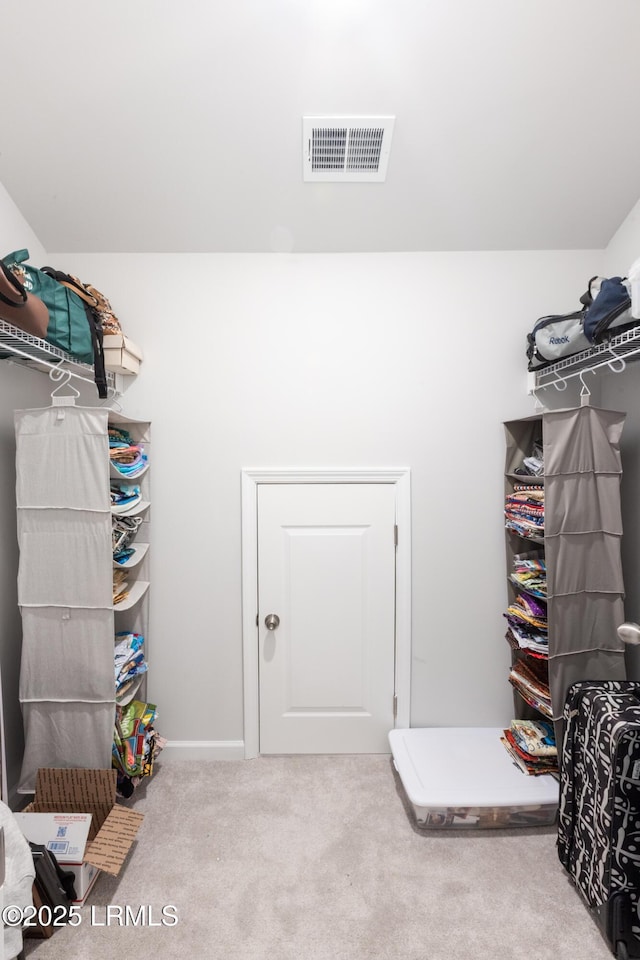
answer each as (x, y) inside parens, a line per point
(365, 144)
(346, 148)
(328, 148)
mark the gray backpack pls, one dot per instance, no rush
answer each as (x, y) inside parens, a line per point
(556, 337)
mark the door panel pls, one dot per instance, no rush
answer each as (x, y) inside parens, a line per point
(326, 568)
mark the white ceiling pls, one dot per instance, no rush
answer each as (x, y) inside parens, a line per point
(149, 125)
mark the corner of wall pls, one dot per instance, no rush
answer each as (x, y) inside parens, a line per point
(15, 231)
(624, 246)
(17, 387)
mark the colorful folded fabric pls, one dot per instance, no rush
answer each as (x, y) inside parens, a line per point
(530, 574)
(528, 610)
(129, 662)
(534, 644)
(530, 678)
(134, 738)
(524, 510)
(124, 497)
(129, 461)
(532, 766)
(535, 737)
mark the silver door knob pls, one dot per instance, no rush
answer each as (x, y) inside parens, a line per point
(271, 621)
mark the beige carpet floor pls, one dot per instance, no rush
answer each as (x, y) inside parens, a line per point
(317, 858)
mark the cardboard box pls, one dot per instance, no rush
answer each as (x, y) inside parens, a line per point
(70, 798)
(121, 355)
(65, 834)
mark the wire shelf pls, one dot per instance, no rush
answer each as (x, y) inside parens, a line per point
(21, 347)
(614, 354)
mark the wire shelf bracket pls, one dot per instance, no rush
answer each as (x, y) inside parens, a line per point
(613, 356)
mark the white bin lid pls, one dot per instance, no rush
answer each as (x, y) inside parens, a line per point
(464, 767)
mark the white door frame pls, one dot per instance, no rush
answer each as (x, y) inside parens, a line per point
(251, 478)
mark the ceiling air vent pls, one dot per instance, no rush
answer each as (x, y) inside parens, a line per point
(346, 149)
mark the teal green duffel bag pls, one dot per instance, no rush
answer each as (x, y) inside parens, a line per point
(73, 323)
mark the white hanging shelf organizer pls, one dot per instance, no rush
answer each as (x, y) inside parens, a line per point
(612, 355)
(20, 347)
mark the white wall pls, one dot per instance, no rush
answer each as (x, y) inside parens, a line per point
(363, 360)
(622, 392)
(624, 246)
(19, 387)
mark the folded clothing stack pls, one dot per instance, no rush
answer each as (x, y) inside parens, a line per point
(527, 619)
(532, 746)
(129, 663)
(127, 457)
(524, 510)
(530, 679)
(124, 497)
(530, 574)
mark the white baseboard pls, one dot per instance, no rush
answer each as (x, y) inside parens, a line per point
(203, 750)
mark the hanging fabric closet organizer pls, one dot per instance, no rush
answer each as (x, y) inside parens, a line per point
(66, 584)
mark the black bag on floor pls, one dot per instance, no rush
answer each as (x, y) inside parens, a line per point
(600, 805)
(53, 887)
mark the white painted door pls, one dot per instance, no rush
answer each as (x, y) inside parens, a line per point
(326, 569)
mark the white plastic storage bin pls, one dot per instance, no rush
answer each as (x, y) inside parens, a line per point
(463, 777)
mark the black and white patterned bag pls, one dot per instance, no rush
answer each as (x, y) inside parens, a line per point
(599, 815)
